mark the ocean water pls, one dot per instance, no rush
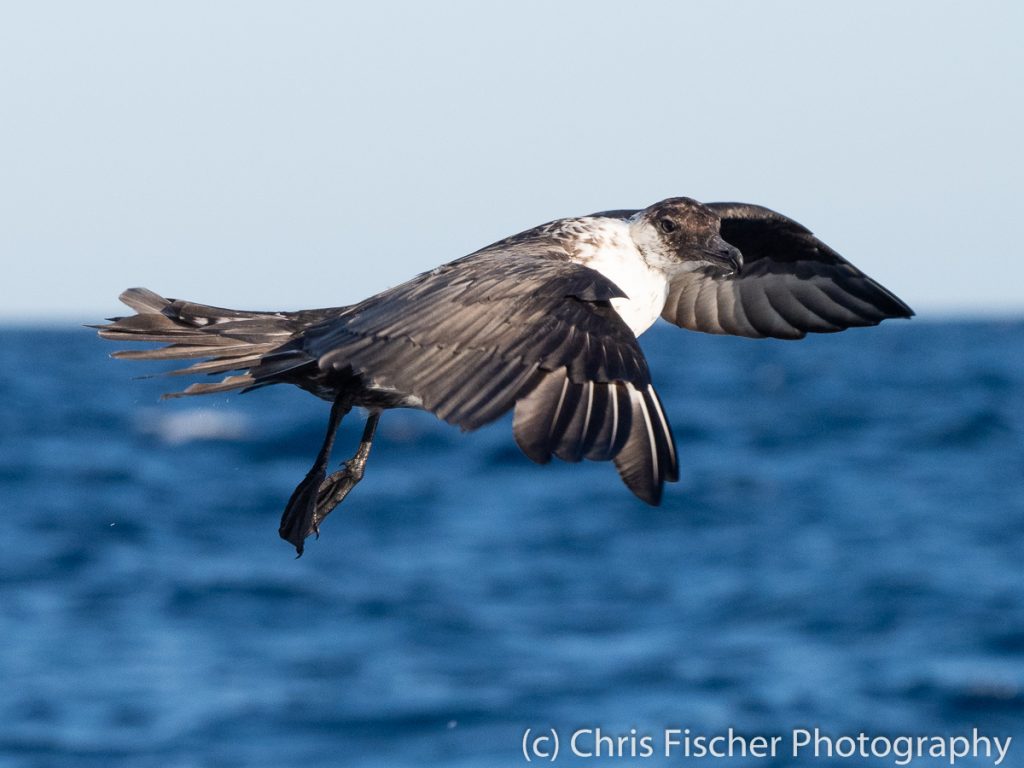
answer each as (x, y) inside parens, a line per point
(844, 551)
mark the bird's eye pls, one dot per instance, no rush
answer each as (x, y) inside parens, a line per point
(666, 225)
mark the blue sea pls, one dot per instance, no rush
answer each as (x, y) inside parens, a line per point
(845, 551)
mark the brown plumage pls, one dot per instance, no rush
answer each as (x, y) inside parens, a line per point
(539, 322)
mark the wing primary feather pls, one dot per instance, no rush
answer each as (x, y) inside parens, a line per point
(637, 462)
(568, 436)
(558, 407)
(597, 439)
(651, 440)
(666, 439)
(614, 398)
(589, 411)
(532, 424)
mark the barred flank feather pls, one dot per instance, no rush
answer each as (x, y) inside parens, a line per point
(222, 340)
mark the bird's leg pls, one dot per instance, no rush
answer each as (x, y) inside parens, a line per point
(335, 488)
(300, 515)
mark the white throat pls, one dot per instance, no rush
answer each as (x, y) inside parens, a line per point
(606, 246)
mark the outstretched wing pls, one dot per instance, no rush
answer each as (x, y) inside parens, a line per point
(791, 283)
(516, 324)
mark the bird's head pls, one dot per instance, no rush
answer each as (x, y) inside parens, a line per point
(680, 234)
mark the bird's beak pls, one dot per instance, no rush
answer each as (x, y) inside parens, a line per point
(724, 255)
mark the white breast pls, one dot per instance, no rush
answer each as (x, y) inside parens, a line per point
(608, 248)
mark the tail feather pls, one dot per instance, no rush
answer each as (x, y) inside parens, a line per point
(222, 340)
(227, 384)
(186, 351)
(219, 366)
(143, 300)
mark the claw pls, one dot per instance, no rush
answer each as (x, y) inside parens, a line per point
(307, 507)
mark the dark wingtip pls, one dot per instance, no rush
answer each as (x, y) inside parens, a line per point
(652, 496)
(899, 308)
(649, 492)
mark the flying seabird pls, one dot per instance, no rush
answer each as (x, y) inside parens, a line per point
(544, 322)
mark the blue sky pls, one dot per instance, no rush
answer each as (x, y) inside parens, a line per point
(281, 155)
